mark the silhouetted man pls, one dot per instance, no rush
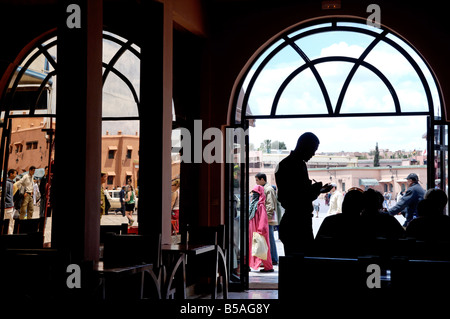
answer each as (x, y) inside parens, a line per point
(296, 193)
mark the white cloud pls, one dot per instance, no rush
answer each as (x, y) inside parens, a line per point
(342, 49)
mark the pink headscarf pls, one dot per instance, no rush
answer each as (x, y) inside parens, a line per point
(262, 196)
(261, 214)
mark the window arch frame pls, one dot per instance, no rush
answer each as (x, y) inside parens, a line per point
(42, 47)
(329, 25)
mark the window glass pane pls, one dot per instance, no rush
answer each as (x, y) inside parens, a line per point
(333, 75)
(270, 79)
(335, 43)
(129, 65)
(118, 101)
(366, 93)
(109, 50)
(426, 72)
(302, 96)
(303, 30)
(360, 26)
(402, 76)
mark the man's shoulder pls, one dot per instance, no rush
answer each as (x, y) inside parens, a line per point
(268, 188)
(417, 188)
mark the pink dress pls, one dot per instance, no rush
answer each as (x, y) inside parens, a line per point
(260, 224)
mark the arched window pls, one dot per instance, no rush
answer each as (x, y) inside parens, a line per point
(337, 68)
(29, 101)
(31, 90)
(329, 70)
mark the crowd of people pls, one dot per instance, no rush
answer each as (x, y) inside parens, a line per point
(22, 194)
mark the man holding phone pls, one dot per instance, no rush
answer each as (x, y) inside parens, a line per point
(296, 192)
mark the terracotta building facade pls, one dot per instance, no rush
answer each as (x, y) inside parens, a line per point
(120, 159)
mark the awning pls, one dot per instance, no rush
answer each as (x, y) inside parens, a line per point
(368, 182)
(385, 181)
(401, 181)
(112, 148)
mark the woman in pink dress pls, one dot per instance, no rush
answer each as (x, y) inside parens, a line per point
(259, 223)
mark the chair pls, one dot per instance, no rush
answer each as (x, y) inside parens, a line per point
(25, 226)
(22, 241)
(313, 276)
(37, 274)
(430, 250)
(130, 249)
(121, 229)
(417, 277)
(4, 227)
(213, 236)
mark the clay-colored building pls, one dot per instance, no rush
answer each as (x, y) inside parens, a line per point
(120, 158)
(29, 145)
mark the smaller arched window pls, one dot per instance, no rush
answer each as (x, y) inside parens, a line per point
(32, 88)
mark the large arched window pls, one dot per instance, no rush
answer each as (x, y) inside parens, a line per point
(321, 76)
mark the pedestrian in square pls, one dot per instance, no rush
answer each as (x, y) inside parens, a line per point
(26, 183)
(9, 199)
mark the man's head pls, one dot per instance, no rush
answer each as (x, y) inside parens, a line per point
(12, 173)
(307, 145)
(372, 201)
(412, 179)
(438, 200)
(353, 203)
(31, 170)
(261, 179)
(175, 184)
(333, 189)
(104, 177)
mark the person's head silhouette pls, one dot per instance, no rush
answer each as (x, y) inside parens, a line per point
(353, 203)
(307, 145)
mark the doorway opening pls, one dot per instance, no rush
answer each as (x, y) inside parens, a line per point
(362, 90)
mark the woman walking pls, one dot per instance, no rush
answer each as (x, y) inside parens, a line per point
(129, 204)
(259, 223)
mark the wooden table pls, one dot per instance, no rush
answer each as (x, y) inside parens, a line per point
(176, 266)
(115, 273)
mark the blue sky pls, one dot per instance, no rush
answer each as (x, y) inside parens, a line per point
(366, 93)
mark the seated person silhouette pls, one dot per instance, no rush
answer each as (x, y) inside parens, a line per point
(374, 223)
(431, 224)
(343, 225)
(337, 233)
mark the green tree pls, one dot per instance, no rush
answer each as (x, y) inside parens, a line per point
(268, 145)
(376, 159)
(277, 145)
